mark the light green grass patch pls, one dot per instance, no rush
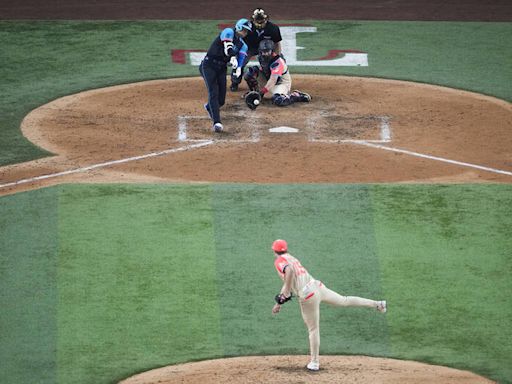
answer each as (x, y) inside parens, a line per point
(137, 282)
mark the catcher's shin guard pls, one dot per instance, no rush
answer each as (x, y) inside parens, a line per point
(281, 100)
(298, 96)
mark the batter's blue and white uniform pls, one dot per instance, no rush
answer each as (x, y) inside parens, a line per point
(213, 68)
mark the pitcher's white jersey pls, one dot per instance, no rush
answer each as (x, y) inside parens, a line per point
(301, 281)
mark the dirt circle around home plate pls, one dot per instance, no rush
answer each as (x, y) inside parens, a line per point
(291, 369)
(355, 130)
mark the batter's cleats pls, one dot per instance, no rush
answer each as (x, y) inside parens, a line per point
(233, 87)
(218, 127)
(313, 366)
(303, 96)
(207, 108)
(382, 306)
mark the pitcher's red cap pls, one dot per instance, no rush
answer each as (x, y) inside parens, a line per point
(279, 246)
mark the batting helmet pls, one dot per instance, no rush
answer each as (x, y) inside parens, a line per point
(279, 246)
(242, 24)
(259, 18)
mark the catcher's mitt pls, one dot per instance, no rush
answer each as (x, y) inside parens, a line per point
(281, 299)
(253, 99)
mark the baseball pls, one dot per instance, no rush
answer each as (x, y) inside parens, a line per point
(256, 102)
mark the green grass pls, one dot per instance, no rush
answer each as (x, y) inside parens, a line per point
(28, 293)
(445, 253)
(132, 277)
(44, 60)
(248, 219)
(466, 55)
(136, 279)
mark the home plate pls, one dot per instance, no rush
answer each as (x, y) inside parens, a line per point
(283, 130)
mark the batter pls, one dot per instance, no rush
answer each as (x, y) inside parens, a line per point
(227, 48)
(311, 293)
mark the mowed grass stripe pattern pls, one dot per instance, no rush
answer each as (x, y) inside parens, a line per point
(28, 293)
(137, 280)
(140, 276)
(330, 231)
(446, 260)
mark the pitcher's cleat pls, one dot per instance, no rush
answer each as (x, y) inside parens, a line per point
(218, 127)
(313, 366)
(382, 306)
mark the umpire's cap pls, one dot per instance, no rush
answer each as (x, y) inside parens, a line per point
(279, 246)
(259, 18)
(242, 24)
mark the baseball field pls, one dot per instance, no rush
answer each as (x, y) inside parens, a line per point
(134, 238)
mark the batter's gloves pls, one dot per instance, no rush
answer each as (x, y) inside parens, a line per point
(253, 99)
(233, 62)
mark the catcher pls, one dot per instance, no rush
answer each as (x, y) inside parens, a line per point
(271, 76)
(310, 294)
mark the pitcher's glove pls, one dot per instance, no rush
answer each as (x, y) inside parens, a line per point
(253, 99)
(281, 298)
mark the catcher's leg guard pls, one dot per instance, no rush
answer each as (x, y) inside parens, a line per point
(281, 100)
(251, 78)
(298, 96)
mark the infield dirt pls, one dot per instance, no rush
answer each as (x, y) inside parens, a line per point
(331, 145)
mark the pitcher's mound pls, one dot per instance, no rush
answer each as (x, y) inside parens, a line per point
(291, 369)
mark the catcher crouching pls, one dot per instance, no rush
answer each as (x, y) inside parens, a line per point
(271, 76)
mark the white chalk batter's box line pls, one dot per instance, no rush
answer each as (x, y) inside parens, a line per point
(384, 131)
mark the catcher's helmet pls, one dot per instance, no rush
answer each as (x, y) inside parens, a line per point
(279, 246)
(259, 18)
(266, 47)
(242, 24)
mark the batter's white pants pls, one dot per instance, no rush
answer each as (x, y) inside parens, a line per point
(310, 309)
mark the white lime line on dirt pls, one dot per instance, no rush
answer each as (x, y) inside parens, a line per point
(107, 164)
(385, 129)
(430, 157)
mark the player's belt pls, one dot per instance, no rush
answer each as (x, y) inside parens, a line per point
(214, 61)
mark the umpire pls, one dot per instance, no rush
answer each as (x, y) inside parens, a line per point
(227, 48)
(262, 29)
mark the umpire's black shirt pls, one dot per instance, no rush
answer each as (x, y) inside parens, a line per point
(270, 32)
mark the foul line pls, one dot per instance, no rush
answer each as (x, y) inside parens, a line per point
(416, 154)
(107, 164)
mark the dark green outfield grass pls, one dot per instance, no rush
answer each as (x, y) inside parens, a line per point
(102, 281)
(45, 60)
